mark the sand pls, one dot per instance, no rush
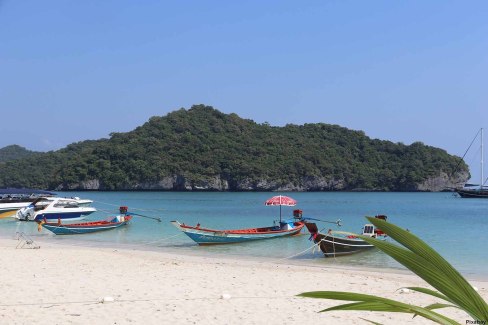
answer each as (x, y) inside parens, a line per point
(66, 284)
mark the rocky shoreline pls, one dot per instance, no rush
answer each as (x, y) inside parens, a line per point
(438, 183)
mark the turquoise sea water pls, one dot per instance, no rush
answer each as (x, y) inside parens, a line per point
(457, 228)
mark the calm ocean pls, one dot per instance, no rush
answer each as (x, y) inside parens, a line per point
(455, 227)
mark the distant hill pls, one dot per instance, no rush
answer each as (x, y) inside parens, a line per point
(205, 149)
(13, 152)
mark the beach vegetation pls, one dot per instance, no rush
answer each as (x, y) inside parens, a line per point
(450, 287)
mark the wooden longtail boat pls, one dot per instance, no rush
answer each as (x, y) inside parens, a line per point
(205, 236)
(88, 227)
(337, 244)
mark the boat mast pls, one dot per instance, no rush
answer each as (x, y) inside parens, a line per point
(482, 180)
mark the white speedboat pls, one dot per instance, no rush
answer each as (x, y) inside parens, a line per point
(53, 209)
(13, 199)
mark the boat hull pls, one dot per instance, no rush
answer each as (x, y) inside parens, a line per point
(54, 214)
(331, 245)
(72, 216)
(474, 194)
(216, 237)
(84, 228)
(10, 209)
(7, 213)
(338, 246)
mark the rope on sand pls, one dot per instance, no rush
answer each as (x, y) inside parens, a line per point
(162, 239)
(104, 301)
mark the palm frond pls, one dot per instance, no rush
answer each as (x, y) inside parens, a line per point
(425, 262)
(436, 271)
(430, 292)
(370, 321)
(375, 303)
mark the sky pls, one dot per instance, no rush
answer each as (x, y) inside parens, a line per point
(403, 71)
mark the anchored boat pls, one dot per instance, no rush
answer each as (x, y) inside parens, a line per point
(337, 244)
(54, 209)
(207, 236)
(88, 227)
(472, 190)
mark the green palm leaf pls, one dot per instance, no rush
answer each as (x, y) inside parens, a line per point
(420, 248)
(430, 292)
(439, 306)
(452, 284)
(425, 269)
(370, 321)
(367, 306)
(424, 261)
(374, 303)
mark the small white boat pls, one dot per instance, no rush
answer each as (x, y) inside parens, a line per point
(54, 209)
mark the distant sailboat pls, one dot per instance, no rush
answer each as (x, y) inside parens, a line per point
(471, 190)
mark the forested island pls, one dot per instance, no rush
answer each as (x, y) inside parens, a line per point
(204, 149)
(13, 152)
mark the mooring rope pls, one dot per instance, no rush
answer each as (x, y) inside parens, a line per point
(117, 205)
(300, 253)
(134, 214)
(100, 300)
(106, 211)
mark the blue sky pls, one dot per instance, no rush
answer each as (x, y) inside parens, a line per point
(403, 71)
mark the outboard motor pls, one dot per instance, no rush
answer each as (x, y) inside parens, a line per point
(297, 214)
(123, 213)
(26, 213)
(368, 230)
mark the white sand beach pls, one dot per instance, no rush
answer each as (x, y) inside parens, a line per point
(64, 284)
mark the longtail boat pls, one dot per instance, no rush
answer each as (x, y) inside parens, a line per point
(87, 227)
(338, 244)
(206, 236)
